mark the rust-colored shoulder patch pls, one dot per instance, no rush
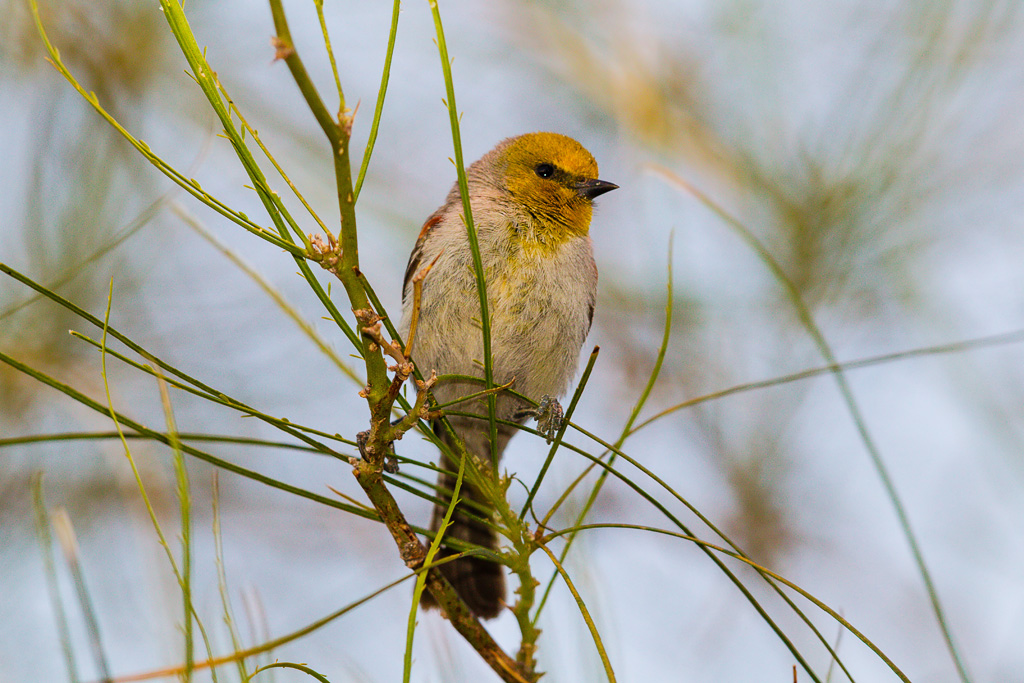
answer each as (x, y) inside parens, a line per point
(417, 251)
(431, 222)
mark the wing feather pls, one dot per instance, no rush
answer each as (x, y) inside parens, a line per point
(417, 252)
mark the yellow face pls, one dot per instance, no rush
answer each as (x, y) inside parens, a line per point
(555, 180)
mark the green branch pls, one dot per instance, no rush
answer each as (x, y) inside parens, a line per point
(807, 320)
(381, 92)
(166, 440)
(467, 216)
(760, 569)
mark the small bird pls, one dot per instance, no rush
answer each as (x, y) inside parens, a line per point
(532, 200)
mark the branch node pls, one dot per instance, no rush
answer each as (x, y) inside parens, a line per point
(367, 316)
(346, 119)
(412, 553)
(327, 254)
(282, 48)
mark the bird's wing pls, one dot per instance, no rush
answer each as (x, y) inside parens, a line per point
(417, 252)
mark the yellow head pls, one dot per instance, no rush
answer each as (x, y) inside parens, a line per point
(554, 180)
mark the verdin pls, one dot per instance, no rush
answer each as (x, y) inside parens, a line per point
(531, 198)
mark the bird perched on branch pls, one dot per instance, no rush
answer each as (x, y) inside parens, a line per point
(532, 200)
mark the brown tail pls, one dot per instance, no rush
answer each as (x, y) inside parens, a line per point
(479, 582)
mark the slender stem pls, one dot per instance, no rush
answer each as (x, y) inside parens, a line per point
(338, 134)
(641, 400)
(286, 51)
(330, 55)
(184, 436)
(1012, 337)
(584, 612)
(208, 83)
(46, 543)
(273, 160)
(379, 108)
(760, 569)
(275, 643)
(874, 453)
(421, 580)
(284, 425)
(561, 432)
(164, 439)
(467, 215)
(189, 185)
(69, 544)
(184, 575)
(307, 328)
(222, 576)
(292, 665)
(185, 510)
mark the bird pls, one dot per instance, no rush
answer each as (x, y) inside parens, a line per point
(532, 202)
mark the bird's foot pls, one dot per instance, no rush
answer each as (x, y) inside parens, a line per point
(548, 415)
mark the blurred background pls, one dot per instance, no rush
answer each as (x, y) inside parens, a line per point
(875, 148)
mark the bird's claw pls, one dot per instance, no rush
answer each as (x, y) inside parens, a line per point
(548, 415)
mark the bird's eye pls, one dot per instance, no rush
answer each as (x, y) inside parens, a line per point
(545, 170)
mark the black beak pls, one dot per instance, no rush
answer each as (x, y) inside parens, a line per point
(594, 188)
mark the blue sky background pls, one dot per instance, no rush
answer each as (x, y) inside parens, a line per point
(874, 148)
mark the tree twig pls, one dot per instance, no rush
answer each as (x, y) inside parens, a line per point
(341, 257)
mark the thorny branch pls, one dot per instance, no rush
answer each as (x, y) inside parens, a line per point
(382, 431)
(375, 445)
(340, 257)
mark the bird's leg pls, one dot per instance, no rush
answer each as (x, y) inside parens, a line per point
(417, 299)
(548, 415)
